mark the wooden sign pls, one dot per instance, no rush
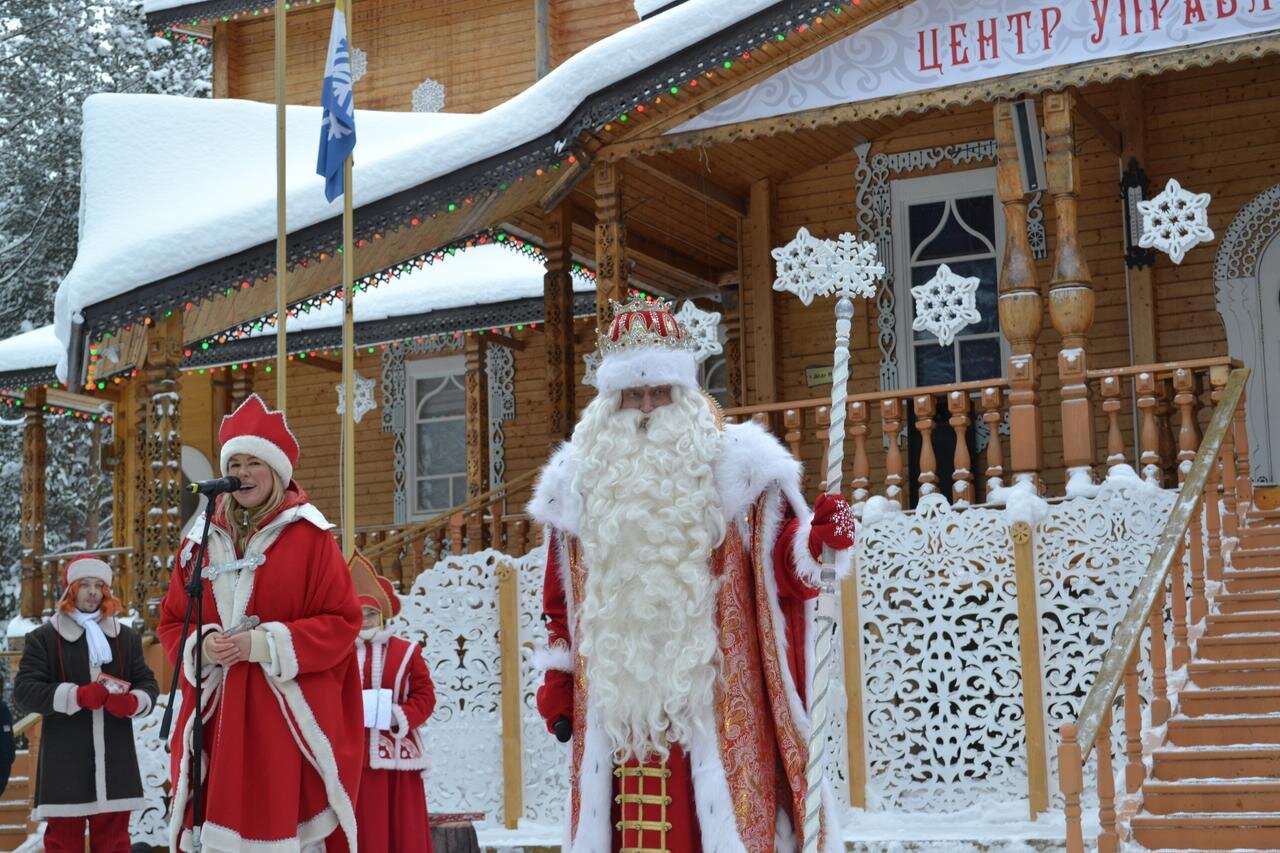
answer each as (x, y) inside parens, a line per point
(817, 376)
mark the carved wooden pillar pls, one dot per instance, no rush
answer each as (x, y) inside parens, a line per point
(241, 385)
(161, 472)
(477, 433)
(557, 298)
(31, 531)
(731, 305)
(612, 271)
(1071, 299)
(1020, 308)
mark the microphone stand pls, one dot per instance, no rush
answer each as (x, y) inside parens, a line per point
(195, 605)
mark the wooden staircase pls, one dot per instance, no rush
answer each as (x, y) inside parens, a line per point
(1215, 784)
(15, 806)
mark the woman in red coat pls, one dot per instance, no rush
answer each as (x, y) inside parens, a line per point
(281, 702)
(398, 699)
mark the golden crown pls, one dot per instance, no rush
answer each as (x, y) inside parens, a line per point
(642, 322)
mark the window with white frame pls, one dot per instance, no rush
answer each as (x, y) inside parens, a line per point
(950, 219)
(435, 400)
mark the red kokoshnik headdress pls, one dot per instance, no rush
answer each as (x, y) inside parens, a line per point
(644, 345)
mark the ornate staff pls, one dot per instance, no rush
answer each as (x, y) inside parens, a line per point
(845, 267)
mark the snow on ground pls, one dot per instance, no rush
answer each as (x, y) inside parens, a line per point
(481, 275)
(137, 228)
(29, 350)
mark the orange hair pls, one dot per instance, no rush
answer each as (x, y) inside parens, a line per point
(110, 604)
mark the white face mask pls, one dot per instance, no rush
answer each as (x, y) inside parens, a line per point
(367, 634)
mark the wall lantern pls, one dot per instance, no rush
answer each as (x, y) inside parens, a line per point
(1133, 189)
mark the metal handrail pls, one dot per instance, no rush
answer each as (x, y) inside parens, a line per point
(1124, 643)
(410, 531)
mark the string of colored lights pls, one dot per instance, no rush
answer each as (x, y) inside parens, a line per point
(50, 409)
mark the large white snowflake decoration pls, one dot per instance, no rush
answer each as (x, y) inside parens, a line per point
(703, 327)
(1175, 221)
(809, 267)
(592, 360)
(945, 304)
(364, 401)
(359, 64)
(428, 97)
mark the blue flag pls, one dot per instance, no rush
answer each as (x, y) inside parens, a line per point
(338, 126)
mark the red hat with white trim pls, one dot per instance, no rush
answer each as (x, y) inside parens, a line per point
(258, 431)
(84, 566)
(644, 345)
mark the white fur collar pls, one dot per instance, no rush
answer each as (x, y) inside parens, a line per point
(751, 461)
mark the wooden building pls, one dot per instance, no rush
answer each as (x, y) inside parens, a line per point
(672, 158)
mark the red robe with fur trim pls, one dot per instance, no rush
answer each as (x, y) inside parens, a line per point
(392, 808)
(744, 790)
(283, 737)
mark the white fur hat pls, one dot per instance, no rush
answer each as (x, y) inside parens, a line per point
(87, 567)
(644, 345)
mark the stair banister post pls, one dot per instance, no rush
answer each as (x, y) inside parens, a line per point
(1071, 782)
(1021, 536)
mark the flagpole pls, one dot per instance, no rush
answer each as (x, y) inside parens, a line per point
(348, 351)
(282, 313)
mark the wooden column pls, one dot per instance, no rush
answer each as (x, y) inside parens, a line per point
(31, 529)
(509, 650)
(1143, 330)
(221, 77)
(1071, 299)
(1021, 308)
(477, 434)
(557, 298)
(161, 437)
(731, 305)
(1020, 533)
(759, 228)
(612, 271)
(241, 385)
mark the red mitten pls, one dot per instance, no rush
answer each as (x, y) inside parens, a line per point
(91, 696)
(122, 704)
(832, 525)
(555, 698)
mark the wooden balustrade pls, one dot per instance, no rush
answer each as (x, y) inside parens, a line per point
(1211, 476)
(49, 568)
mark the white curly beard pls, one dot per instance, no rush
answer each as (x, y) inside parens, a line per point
(650, 519)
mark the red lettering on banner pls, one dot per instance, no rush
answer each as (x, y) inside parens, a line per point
(1194, 8)
(1226, 8)
(987, 40)
(1253, 6)
(1047, 28)
(959, 51)
(1019, 23)
(1100, 19)
(937, 62)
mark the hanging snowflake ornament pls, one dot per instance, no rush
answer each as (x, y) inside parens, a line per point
(854, 268)
(428, 97)
(364, 401)
(703, 327)
(945, 304)
(809, 267)
(359, 64)
(1175, 221)
(592, 360)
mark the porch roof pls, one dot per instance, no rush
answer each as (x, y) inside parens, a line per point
(29, 358)
(122, 275)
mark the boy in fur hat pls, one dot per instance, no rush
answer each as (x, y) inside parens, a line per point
(84, 671)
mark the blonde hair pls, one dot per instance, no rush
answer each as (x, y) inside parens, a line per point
(242, 521)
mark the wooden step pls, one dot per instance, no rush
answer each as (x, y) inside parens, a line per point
(13, 837)
(1239, 673)
(1251, 622)
(1224, 730)
(1261, 536)
(1255, 558)
(1239, 646)
(1251, 580)
(1252, 795)
(1247, 602)
(1172, 764)
(1231, 831)
(1263, 516)
(1225, 701)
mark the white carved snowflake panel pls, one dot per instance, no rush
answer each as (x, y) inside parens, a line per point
(942, 692)
(1175, 221)
(150, 824)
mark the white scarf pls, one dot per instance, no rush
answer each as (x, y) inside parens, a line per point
(99, 648)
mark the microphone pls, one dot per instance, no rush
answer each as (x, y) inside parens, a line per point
(215, 487)
(563, 729)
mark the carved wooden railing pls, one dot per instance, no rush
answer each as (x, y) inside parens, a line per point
(1213, 475)
(50, 567)
(402, 551)
(1150, 417)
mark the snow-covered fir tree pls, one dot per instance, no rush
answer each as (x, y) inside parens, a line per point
(53, 54)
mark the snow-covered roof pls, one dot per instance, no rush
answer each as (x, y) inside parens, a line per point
(37, 349)
(136, 230)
